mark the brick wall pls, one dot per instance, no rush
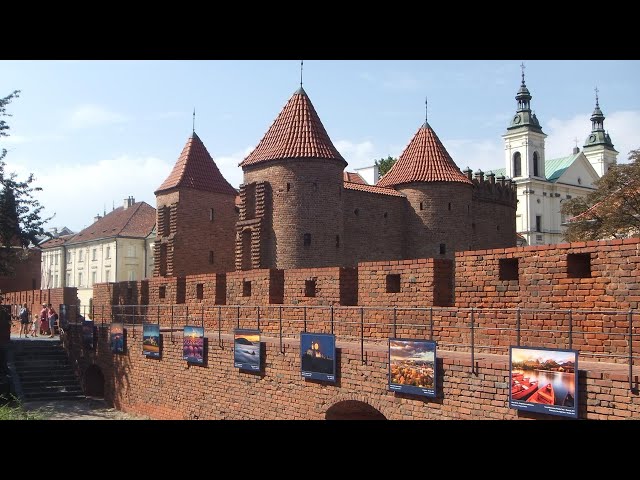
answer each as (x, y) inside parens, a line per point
(266, 286)
(171, 389)
(208, 289)
(319, 286)
(493, 212)
(35, 298)
(377, 231)
(306, 197)
(26, 274)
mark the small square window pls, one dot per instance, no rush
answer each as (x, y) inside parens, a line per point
(210, 257)
(443, 249)
(393, 283)
(200, 291)
(162, 292)
(508, 269)
(211, 215)
(246, 288)
(579, 265)
(310, 288)
(307, 239)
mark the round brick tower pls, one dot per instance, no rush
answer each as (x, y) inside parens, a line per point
(439, 197)
(303, 221)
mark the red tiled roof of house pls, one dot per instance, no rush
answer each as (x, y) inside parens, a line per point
(372, 189)
(136, 221)
(56, 242)
(354, 178)
(196, 169)
(297, 132)
(424, 160)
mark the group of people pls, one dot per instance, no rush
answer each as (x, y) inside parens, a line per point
(44, 322)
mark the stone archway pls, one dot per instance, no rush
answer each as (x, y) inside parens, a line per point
(94, 382)
(353, 410)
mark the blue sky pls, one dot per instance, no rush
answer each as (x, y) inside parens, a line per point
(95, 132)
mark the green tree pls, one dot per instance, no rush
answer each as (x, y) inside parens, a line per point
(610, 211)
(20, 222)
(385, 164)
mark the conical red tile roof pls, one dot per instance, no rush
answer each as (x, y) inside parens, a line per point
(296, 133)
(196, 169)
(424, 160)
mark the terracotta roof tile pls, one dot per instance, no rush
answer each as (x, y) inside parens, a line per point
(354, 178)
(296, 133)
(424, 160)
(196, 169)
(136, 221)
(56, 242)
(372, 189)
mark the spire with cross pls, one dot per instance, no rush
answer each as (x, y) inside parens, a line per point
(522, 67)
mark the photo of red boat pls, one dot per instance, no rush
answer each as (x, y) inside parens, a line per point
(544, 380)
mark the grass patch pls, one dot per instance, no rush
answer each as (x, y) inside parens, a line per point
(14, 410)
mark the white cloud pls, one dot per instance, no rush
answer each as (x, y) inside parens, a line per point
(228, 165)
(358, 155)
(76, 193)
(20, 139)
(86, 116)
(484, 154)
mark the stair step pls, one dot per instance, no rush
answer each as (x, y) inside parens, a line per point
(57, 396)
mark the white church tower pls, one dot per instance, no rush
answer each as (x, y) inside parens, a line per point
(598, 147)
(524, 140)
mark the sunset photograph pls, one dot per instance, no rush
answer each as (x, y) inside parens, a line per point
(151, 340)
(246, 350)
(193, 344)
(412, 366)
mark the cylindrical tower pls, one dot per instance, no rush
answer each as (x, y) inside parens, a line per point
(305, 172)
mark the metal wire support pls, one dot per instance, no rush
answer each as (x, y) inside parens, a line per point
(304, 316)
(431, 323)
(258, 310)
(133, 322)
(570, 329)
(220, 325)
(202, 318)
(630, 316)
(518, 326)
(280, 326)
(473, 352)
(238, 317)
(395, 313)
(171, 333)
(331, 319)
(362, 334)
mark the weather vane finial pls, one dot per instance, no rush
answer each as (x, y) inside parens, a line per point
(426, 109)
(522, 67)
(194, 119)
(575, 139)
(301, 65)
(597, 105)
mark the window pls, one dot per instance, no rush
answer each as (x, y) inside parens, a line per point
(131, 250)
(94, 254)
(162, 292)
(80, 255)
(538, 223)
(246, 288)
(94, 278)
(421, 206)
(55, 260)
(579, 265)
(80, 279)
(307, 239)
(337, 241)
(356, 211)
(108, 254)
(55, 281)
(68, 280)
(288, 186)
(310, 288)
(517, 164)
(443, 249)
(200, 291)
(69, 258)
(393, 283)
(131, 275)
(211, 215)
(107, 275)
(536, 168)
(508, 269)
(210, 257)
(449, 206)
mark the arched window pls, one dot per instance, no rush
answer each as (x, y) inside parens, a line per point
(536, 168)
(517, 165)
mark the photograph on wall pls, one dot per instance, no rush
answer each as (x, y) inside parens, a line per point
(246, 350)
(412, 366)
(151, 340)
(318, 356)
(87, 334)
(544, 380)
(193, 344)
(116, 335)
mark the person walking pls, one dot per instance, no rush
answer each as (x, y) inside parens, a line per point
(34, 325)
(53, 318)
(44, 325)
(24, 321)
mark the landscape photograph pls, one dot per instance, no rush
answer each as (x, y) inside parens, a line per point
(544, 380)
(116, 331)
(246, 349)
(318, 352)
(412, 366)
(193, 344)
(151, 340)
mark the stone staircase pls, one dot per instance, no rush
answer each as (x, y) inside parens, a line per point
(43, 371)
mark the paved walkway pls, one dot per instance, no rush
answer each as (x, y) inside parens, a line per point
(89, 409)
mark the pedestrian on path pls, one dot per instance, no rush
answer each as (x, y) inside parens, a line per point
(44, 325)
(53, 318)
(24, 321)
(34, 325)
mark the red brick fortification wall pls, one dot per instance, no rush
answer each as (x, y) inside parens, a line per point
(306, 198)
(35, 298)
(320, 286)
(435, 223)
(169, 388)
(26, 274)
(374, 227)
